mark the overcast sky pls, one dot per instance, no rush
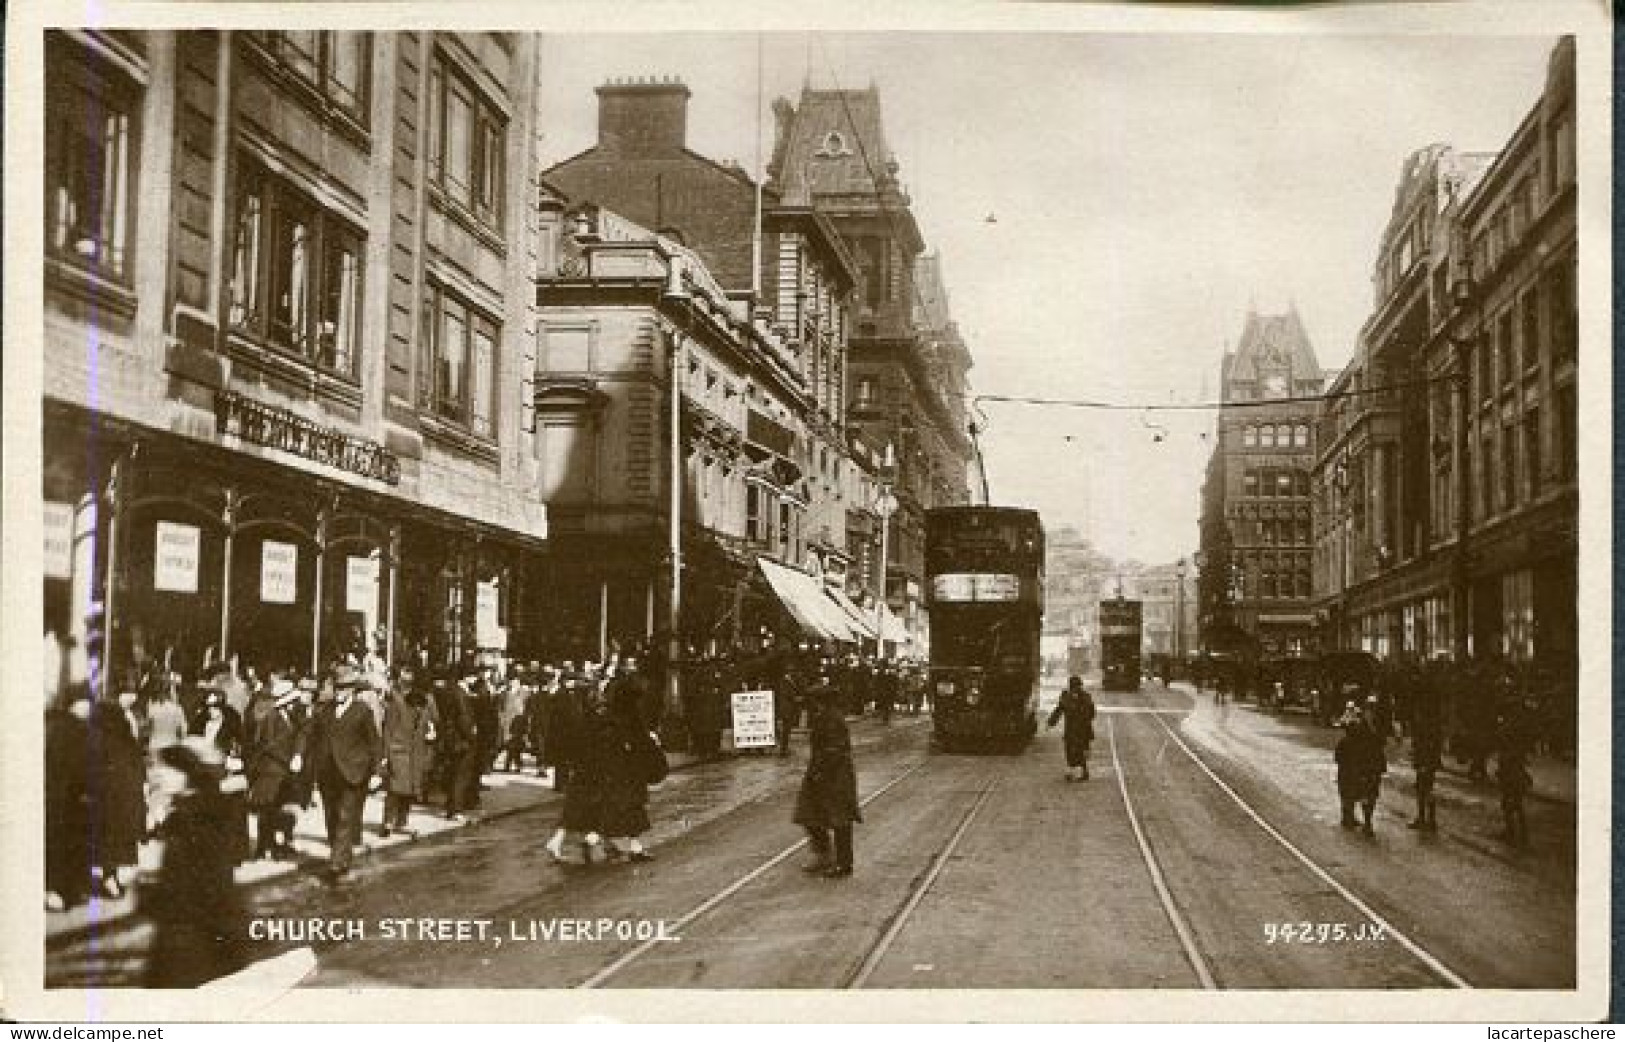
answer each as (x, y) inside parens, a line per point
(1142, 189)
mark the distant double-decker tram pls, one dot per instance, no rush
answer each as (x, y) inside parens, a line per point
(1120, 634)
(984, 571)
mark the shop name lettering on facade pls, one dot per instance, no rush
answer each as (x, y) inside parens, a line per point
(283, 429)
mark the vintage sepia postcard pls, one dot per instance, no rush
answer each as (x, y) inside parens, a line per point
(1014, 512)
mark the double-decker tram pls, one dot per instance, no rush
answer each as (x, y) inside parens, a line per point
(1120, 633)
(984, 573)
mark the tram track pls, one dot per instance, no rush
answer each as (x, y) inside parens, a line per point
(874, 954)
(1202, 962)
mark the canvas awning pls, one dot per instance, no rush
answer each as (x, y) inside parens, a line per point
(803, 597)
(862, 622)
(891, 627)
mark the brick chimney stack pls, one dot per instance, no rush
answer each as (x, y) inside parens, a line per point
(643, 116)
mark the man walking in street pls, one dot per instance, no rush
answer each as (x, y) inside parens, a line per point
(1077, 709)
(344, 750)
(827, 805)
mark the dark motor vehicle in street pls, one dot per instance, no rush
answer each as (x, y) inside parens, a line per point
(984, 571)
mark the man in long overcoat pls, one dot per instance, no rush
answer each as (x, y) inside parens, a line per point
(344, 749)
(827, 805)
(1361, 763)
(273, 752)
(410, 729)
(1077, 709)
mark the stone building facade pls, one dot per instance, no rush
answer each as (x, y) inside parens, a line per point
(286, 327)
(1449, 508)
(1254, 587)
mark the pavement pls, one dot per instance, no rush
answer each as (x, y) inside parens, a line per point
(1298, 752)
(503, 794)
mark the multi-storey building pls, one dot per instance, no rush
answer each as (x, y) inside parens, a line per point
(907, 366)
(1449, 501)
(1254, 586)
(286, 327)
(779, 262)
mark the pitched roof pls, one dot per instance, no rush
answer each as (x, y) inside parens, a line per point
(1268, 341)
(833, 143)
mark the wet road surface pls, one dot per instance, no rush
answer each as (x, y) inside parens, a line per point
(1180, 864)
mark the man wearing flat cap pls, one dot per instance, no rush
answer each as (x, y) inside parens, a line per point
(343, 756)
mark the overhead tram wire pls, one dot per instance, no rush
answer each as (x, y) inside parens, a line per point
(1210, 406)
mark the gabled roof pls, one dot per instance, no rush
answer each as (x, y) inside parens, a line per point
(833, 144)
(1268, 341)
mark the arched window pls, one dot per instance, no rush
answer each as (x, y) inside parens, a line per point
(1249, 437)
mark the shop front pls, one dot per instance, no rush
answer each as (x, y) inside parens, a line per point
(164, 552)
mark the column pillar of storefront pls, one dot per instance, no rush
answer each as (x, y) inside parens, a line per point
(115, 509)
(229, 516)
(87, 515)
(322, 518)
(393, 561)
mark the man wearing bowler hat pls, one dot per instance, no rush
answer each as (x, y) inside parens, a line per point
(343, 755)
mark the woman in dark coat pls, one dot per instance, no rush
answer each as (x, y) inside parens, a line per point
(199, 919)
(621, 736)
(410, 729)
(827, 805)
(67, 799)
(567, 752)
(1078, 710)
(117, 788)
(1361, 763)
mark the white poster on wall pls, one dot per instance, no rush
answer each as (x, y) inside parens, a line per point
(58, 523)
(279, 572)
(361, 585)
(175, 560)
(488, 632)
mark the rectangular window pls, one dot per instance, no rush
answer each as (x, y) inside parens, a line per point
(1529, 312)
(335, 65)
(1531, 452)
(89, 163)
(1485, 475)
(1249, 483)
(1566, 429)
(1486, 367)
(1562, 310)
(463, 363)
(295, 273)
(467, 135)
(1509, 466)
(1266, 436)
(755, 528)
(1505, 351)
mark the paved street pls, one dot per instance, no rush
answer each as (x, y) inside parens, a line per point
(1203, 846)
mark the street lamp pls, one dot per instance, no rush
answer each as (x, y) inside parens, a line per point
(1179, 614)
(675, 293)
(885, 506)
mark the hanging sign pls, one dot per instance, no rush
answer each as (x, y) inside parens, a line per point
(58, 522)
(174, 564)
(279, 572)
(361, 584)
(753, 720)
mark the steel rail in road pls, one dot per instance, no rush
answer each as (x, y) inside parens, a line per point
(1182, 929)
(872, 961)
(626, 959)
(1422, 955)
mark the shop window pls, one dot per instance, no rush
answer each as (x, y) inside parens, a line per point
(90, 146)
(295, 273)
(460, 347)
(1249, 437)
(335, 65)
(466, 144)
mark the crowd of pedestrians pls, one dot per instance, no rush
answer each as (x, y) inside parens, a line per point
(1487, 715)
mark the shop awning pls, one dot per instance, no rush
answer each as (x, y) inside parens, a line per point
(891, 627)
(803, 597)
(862, 622)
